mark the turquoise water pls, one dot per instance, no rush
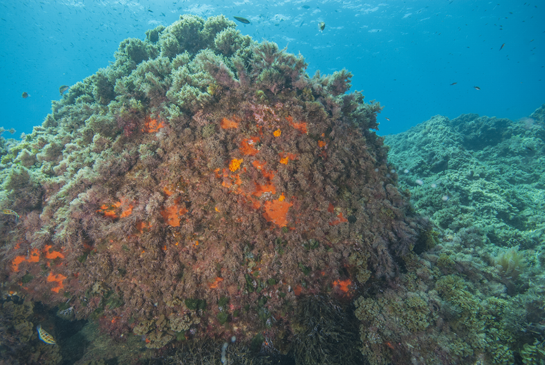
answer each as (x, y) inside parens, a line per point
(405, 54)
(439, 239)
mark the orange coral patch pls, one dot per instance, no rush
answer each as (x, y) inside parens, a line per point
(34, 255)
(140, 226)
(58, 278)
(301, 127)
(276, 211)
(277, 133)
(52, 255)
(291, 156)
(110, 210)
(289, 118)
(16, 262)
(285, 157)
(230, 180)
(297, 290)
(214, 285)
(343, 284)
(151, 126)
(235, 163)
(260, 166)
(127, 212)
(172, 214)
(247, 148)
(256, 204)
(340, 219)
(330, 208)
(266, 188)
(228, 124)
(321, 144)
(167, 190)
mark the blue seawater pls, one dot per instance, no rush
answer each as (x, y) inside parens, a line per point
(405, 54)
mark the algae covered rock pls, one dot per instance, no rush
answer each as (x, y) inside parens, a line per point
(204, 172)
(477, 172)
(479, 273)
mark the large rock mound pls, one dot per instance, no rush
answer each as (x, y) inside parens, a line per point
(198, 187)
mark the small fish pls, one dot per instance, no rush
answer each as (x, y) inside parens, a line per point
(306, 7)
(44, 336)
(151, 11)
(454, 83)
(25, 95)
(476, 88)
(242, 20)
(321, 26)
(388, 119)
(63, 88)
(11, 212)
(502, 46)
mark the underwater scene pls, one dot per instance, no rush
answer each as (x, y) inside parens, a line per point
(291, 183)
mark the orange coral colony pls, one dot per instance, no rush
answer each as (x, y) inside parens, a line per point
(343, 284)
(172, 214)
(247, 146)
(301, 126)
(214, 284)
(228, 124)
(152, 126)
(34, 256)
(276, 211)
(58, 278)
(234, 165)
(52, 255)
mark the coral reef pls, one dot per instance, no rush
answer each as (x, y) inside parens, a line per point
(200, 186)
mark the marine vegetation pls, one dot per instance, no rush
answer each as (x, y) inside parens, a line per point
(198, 188)
(474, 293)
(325, 332)
(19, 342)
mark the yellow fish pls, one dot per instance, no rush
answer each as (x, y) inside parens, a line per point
(11, 212)
(44, 336)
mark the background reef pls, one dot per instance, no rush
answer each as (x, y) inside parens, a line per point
(204, 201)
(201, 187)
(481, 182)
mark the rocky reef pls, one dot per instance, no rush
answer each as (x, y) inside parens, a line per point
(201, 187)
(474, 288)
(203, 200)
(480, 172)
